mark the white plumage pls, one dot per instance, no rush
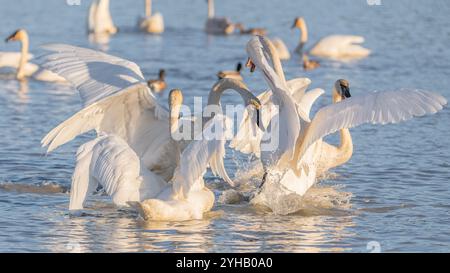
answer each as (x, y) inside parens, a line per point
(99, 18)
(110, 162)
(151, 23)
(376, 108)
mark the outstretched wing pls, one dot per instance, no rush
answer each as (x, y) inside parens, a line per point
(199, 153)
(94, 74)
(375, 108)
(111, 116)
(113, 92)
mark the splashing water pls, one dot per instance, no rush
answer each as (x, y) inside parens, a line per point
(277, 197)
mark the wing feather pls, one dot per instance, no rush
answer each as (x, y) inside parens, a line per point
(210, 150)
(375, 108)
(95, 75)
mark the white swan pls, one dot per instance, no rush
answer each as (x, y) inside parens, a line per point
(217, 25)
(118, 101)
(109, 161)
(99, 18)
(12, 59)
(377, 108)
(340, 47)
(282, 49)
(20, 61)
(151, 23)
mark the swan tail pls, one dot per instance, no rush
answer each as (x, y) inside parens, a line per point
(85, 120)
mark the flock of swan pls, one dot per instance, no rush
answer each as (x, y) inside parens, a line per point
(135, 155)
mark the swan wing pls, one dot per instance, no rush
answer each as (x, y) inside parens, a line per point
(109, 161)
(82, 184)
(94, 74)
(376, 108)
(306, 102)
(111, 115)
(210, 150)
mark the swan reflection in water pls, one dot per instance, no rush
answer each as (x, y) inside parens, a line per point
(321, 226)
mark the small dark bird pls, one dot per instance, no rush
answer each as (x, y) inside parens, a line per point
(157, 86)
(252, 31)
(309, 64)
(236, 74)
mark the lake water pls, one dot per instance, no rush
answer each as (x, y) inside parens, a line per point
(392, 196)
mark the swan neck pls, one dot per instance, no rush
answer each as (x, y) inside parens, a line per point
(217, 90)
(174, 114)
(148, 8)
(23, 56)
(210, 8)
(345, 149)
(304, 33)
(278, 68)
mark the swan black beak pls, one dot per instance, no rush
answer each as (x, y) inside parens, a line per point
(11, 37)
(345, 92)
(250, 64)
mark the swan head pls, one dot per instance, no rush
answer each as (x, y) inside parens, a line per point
(18, 35)
(249, 99)
(341, 90)
(239, 67)
(300, 23)
(162, 74)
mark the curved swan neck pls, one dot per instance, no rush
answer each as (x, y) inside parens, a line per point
(224, 84)
(345, 149)
(148, 8)
(210, 8)
(23, 56)
(276, 61)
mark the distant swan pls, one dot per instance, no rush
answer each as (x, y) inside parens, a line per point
(111, 162)
(340, 47)
(24, 67)
(217, 25)
(99, 18)
(293, 163)
(151, 23)
(282, 49)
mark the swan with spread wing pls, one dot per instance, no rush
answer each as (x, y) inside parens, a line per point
(294, 166)
(109, 161)
(117, 100)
